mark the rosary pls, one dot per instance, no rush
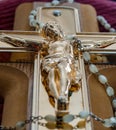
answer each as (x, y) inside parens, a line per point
(60, 75)
(56, 42)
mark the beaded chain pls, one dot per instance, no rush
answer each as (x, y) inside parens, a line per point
(110, 122)
(84, 115)
(51, 121)
(105, 24)
(33, 22)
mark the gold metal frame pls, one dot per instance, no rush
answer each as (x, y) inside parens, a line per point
(45, 14)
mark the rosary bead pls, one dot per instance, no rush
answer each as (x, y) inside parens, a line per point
(33, 12)
(107, 123)
(20, 125)
(101, 19)
(41, 25)
(50, 118)
(110, 91)
(70, 1)
(93, 68)
(31, 22)
(68, 118)
(114, 103)
(102, 79)
(104, 22)
(107, 26)
(31, 17)
(112, 30)
(113, 120)
(57, 13)
(83, 114)
(86, 56)
(55, 2)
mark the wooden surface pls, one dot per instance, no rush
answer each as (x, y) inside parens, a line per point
(87, 16)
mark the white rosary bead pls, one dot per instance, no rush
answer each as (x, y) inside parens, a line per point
(86, 56)
(20, 125)
(31, 17)
(83, 114)
(103, 22)
(68, 118)
(50, 118)
(112, 30)
(93, 68)
(107, 26)
(107, 123)
(55, 2)
(33, 12)
(33, 23)
(113, 120)
(114, 103)
(110, 91)
(41, 25)
(70, 1)
(102, 79)
(101, 19)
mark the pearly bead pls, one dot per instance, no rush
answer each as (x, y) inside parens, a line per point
(113, 120)
(86, 56)
(93, 68)
(57, 13)
(20, 125)
(114, 103)
(107, 123)
(55, 2)
(50, 118)
(112, 30)
(31, 17)
(110, 91)
(103, 22)
(107, 26)
(33, 12)
(41, 25)
(31, 21)
(34, 23)
(101, 18)
(70, 1)
(83, 114)
(102, 79)
(68, 118)
(110, 122)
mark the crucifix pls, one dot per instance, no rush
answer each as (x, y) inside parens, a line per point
(60, 70)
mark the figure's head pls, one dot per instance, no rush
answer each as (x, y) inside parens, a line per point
(53, 31)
